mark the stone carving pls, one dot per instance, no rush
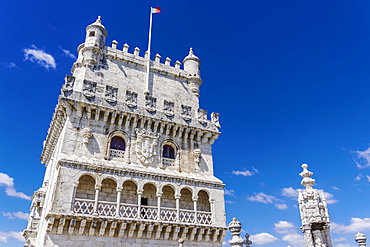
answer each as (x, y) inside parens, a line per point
(235, 228)
(131, 99)
(86, 135)
(314, 213)
(215, 118)
(150, 103)
(202, 116)
(168, 107)
(186, 112)
(146, 145)
(69, 81)
(197, 154)
(89, 88)
(111, 94)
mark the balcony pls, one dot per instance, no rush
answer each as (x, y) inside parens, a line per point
(115, 153)
(149, 213)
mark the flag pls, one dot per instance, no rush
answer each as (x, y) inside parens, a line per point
(155, 10)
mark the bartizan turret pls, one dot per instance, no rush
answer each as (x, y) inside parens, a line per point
(92, 49)
(192, 66)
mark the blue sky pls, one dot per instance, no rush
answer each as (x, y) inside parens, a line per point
(291, 80)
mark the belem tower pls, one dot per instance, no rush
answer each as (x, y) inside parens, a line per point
(128, 160)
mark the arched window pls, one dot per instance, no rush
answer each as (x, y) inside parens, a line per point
(92, 34)
(117, 147)
(168, 152)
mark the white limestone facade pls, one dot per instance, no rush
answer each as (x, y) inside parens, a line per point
(124, 167)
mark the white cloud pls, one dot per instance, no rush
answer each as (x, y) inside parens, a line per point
(11, 65)
(281, 206)
(229, 192)
(262, 197)
(229, 202)
(284, 227)
(39, 57)
(290, 192)
(8, 181)
(357, 225)
(68, 53)
(245, 173)
(344, 245)
(263, 238)
(336, 188)
(358, 177)
(328, 196)
(364, 157)
(368, 178)
(294, 239)
(19, 215)
(5, 235)
(340, 239)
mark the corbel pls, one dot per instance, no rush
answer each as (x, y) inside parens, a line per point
(200, 234)
(93, 225)
(122, 229)
(149, 231)
(167, 233)
(158, 233)
(216, 232)
(82, 227)
(192, 234)
(62, 222)
(88, 111)
(141, 230)
(112, 229)
(72, 225)
(175, 130)
(113, 119)
(176, 233)
(50, 224)
(132, 230)
(184, 232)
(103, 225)
(106, 115)
(208, 235)
(120, 119)
(78, 109)
(97, 113)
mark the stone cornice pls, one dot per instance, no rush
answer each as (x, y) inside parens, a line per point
(140, 174)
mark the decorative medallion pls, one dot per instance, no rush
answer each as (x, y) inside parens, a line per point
(168, 108)
(89, 88)
(186, 112)
(150, 103)
(111, 94)
(131, 99)
(146, 145)
(69, 81)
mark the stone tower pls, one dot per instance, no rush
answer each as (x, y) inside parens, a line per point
(314, 213)
(124, 168)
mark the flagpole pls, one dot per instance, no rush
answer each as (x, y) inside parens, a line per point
(148, 64)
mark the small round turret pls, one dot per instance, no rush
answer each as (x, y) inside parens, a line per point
(92, 50)
(192, 66)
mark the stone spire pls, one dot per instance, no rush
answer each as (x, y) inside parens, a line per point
(235, 228)
(192, 66)
(314, 213)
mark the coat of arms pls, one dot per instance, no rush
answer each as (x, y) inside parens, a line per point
(146, 145)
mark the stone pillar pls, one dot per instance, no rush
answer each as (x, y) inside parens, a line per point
(181, 242)
(177, 208)
(361, 239)
(213, 214)
(306, 229)
(235, 228)
(195, 200)
(97, 189)
(159, 197)
(119, 192)
(139, 193)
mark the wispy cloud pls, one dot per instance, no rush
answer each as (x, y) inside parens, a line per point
(336, 188)
(8, 182)
(245, 172)
(10, 65)
(285, 227)
(19, 215)
(294, 239)
(364, 158)
(290, 192)
(229, 192)
(267, 199)
(4, 236)
(229, 202)
(358, 177)
(263, 238)
(345, 245)
(40, 57)
(340, 239)
(67, 53)
(368, 178)
(357, 225)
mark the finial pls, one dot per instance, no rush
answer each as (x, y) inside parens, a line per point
(99, 19)
(191, 51)
(307, 181)
(360, 239)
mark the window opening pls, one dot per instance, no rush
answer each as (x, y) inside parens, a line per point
(168, 152)
(117, 143)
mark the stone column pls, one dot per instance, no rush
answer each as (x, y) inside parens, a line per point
(307, 235)
(119, 192)
(139, 193)
(97, 189)
(235, 227)
(177, 208)
(360, 239)
(159, 197)
(195, 200)
(213, 213)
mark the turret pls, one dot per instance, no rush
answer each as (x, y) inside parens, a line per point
(192, 66)
(94, 43)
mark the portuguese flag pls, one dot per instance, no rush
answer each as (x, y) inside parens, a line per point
(156, 10)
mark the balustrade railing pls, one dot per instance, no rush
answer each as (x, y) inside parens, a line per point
(115, 153)
(204, 218)
(83, 206)
(168, 214)
(168, 162)
(187, 216)
(107, 208)
(130, 211)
